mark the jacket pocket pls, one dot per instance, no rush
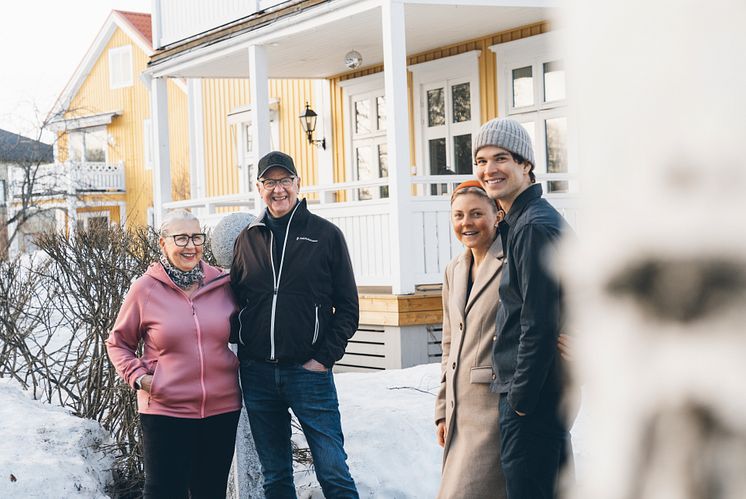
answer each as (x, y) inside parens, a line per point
(152, 381)
(482, 374)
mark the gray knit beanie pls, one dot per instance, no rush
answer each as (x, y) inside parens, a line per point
(507, 134)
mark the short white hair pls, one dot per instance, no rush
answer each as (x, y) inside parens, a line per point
(175, 216)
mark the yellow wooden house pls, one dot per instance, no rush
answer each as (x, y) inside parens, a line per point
(104, 128)
(399, 88)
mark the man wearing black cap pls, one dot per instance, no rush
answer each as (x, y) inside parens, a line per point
(293, 279)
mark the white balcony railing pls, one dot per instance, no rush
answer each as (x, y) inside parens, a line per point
(64, 178)
(176, 20)
(366, 223)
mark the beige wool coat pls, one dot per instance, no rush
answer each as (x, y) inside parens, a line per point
(471, 456)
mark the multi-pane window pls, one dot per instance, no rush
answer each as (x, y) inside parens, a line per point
(448, 130)
(532, 77)
(369, 151)
(88, 145)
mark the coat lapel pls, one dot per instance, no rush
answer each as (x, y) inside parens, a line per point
(488, 270)
(458, 287)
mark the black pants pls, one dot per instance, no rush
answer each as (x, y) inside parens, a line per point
(187, 456)
(533, 448)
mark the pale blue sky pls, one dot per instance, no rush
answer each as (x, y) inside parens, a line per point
(41, 44)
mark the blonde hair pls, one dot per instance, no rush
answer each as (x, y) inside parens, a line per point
(174, 216)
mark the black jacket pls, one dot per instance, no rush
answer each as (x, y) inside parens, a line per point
(525, 358)
(308, 307)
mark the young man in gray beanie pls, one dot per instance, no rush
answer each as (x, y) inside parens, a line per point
(529, 376)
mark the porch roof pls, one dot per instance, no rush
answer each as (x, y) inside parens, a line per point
(309, 38)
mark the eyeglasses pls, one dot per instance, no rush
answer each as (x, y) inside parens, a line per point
(183, 239)
(270, 183)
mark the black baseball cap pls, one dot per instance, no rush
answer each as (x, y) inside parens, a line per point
(273, 159)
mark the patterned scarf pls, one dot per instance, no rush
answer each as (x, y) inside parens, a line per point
(181, 278)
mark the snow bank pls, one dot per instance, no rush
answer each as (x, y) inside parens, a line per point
(45, 452)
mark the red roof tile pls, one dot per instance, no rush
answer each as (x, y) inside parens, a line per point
(140, 22)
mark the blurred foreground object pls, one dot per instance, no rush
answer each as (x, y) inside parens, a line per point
(658, 276)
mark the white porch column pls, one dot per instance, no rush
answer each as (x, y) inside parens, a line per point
(259, 89)
(161, 159)
(196, 139)
(397, 136)
(322, 100)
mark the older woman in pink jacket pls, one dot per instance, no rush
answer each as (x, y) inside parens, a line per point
(186, 378)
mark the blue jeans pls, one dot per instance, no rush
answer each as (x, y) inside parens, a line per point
(269, 390)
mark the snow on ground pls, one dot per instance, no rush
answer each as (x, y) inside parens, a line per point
(50, 453)
(387, 419)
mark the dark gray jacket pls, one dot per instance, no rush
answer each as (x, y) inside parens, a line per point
(525, 358)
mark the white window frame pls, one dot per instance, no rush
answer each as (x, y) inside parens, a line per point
(444, 72)
(121, 56)
(366, 87)
(534, 51)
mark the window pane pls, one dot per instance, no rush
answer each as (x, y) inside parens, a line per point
(554, 81)
(437, 150)
(362, 116)
(523, 87)
(381, 108)
(530, 127)
(556, 130)
(383, 168)
(436, 107)
(75, 146)
(364, 171)
(558, 186)
(249, 139)
(95, 145)
(462, 153)
(461, 95)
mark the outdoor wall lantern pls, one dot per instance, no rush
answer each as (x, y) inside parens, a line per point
(308, 122)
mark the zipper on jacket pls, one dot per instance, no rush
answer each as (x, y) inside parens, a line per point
(276, 279)
(316, 327)
(201, 360)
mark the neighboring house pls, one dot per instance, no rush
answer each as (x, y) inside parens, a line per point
(19, 154)
(103, 122)
(400, 88)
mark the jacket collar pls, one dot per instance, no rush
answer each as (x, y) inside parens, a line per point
(533, 192)
(300, 209)
(488, 270)
(213, 276)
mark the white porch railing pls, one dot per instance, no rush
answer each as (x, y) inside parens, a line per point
(366, 223)
(62, 178)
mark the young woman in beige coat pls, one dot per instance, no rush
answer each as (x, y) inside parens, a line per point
(466, 411)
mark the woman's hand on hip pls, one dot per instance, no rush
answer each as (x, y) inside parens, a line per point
(440, 433)
(146, 382)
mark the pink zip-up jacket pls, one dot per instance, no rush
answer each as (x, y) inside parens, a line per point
(195, 374)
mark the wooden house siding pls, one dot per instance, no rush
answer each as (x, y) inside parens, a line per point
(220, 97)
(126, 131)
